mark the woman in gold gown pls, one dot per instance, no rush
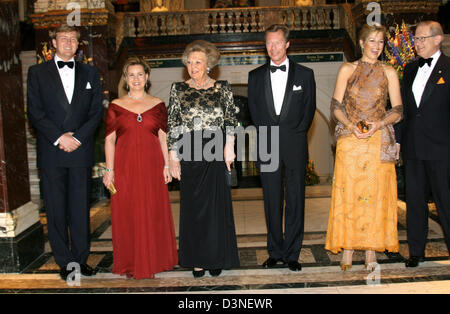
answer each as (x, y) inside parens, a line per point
(363, 211)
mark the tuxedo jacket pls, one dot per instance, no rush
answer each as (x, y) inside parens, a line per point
(296, 114)
(424, 133)
(51, 114)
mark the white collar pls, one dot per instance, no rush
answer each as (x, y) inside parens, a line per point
(435, 57)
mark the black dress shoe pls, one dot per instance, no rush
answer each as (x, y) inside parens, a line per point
(198, 273)
(64, 273)
(414, 261)
(87, 270)
(271, 262)
(215, 272)
(294, 266)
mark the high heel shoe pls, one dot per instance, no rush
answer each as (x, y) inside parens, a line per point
(371, 260)
(215, 272)
(198, 273)
(346, 262)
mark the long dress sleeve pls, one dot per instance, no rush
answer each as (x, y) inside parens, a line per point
(230, 110)
(174, 121)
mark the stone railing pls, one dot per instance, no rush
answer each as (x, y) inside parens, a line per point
(236, 20)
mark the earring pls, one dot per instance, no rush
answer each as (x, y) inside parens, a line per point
(208, 70)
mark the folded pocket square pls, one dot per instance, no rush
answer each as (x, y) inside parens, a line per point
(441, 81)
(88, 86)
(296, 88)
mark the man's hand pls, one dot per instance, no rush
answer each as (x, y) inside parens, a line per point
(397, 146)
(68, 143)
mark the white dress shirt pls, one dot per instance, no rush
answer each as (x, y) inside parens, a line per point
(278, 80)
(67, 76)
(422, 76)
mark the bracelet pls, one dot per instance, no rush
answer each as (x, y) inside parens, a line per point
(166, 167)
(109, 169)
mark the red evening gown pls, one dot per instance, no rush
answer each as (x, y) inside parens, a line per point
(143, 234)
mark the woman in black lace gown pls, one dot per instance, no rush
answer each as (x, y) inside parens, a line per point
(201, 121)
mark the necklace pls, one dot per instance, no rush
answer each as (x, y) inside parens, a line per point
(201, 86)
(136, 98)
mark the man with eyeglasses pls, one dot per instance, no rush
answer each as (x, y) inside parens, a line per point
(65, 107)
(424, 135)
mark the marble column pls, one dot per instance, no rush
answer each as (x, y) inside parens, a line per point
(21, 233)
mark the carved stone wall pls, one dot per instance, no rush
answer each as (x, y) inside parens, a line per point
(53, 5)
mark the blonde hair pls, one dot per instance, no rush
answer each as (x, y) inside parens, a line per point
(136, 61)
(366, 30)
(64, 28)
(209, 49)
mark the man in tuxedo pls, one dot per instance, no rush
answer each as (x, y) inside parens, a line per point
(424, 135)
(282, 97)
(64, 106)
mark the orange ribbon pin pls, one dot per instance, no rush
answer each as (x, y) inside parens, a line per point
(441, 81)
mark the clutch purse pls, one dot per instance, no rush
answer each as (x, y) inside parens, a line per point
(363, 126)
(112, 189)
(231, 176)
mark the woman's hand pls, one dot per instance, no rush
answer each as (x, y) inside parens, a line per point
(229, 154)
(167, 176)
(174, 165)
(175, 169)
(108, 178)
(355, 130)
(373, 127)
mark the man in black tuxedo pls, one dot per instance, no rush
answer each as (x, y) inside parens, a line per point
(64, 106)
(424, 135)
(282, 97)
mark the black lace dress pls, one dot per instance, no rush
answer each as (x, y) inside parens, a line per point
(198, 122)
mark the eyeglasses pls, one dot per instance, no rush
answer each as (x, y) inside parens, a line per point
(422, 38)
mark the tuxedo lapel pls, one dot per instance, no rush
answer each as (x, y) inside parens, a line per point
(77, 90)
(269, 95)
(288, 91)
(55, 81)
(432, 81)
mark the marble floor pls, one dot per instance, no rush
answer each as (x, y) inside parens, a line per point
(320, 274)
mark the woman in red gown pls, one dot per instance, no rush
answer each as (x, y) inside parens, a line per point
(143, 234)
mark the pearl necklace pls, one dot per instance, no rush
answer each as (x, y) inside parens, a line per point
(201, 86)
(136, 98)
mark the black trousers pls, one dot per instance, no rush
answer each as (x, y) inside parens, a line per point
(422, 178)
(287, 247)
(66, 194)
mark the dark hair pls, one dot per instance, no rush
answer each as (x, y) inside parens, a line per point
(136, 61)
(278, 27)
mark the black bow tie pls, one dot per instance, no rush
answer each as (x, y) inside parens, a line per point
(274, 68)
(61, 64)
(422, 62)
